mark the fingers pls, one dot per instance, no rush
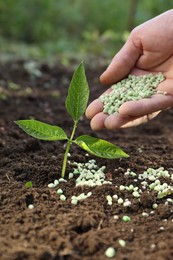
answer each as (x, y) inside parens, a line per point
(149, 105)
(122, 63)
(98, 121)
(101, 121)
(140, 120)
(131, 113)
(146, 106)
(94, 108)
(114, 122)
(166, 86)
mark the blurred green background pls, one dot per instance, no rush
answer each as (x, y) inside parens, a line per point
(71, 29)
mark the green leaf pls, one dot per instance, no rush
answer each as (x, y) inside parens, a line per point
(99, 147)
(78, 94)
(42, 130)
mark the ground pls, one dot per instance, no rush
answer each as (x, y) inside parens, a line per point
(54, 229)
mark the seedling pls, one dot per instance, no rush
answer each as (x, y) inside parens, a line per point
(76, 103)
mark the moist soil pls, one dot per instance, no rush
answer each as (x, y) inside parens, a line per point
(56, 229)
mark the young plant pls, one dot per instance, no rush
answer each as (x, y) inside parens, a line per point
(76, 103)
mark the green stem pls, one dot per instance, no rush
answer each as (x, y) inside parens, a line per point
(69, 143)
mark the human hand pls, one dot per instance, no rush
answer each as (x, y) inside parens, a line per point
(149, 49)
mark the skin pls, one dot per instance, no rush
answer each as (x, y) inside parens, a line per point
(149, 49)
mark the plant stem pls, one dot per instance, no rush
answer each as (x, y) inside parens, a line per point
(69, 143)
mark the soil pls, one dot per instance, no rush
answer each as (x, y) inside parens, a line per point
(54, 229)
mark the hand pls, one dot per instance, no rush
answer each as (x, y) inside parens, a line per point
(149, 49)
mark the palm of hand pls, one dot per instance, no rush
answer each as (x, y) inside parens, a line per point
(145, 52)
(133, 113)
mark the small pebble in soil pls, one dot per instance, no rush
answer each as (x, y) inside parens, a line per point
(162, 245)
(110, 252)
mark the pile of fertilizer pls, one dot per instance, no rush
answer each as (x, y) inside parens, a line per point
(130, 89)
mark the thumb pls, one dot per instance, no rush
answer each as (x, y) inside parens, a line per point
(122, 63)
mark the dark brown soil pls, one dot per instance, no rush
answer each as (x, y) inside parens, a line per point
(60, 230)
